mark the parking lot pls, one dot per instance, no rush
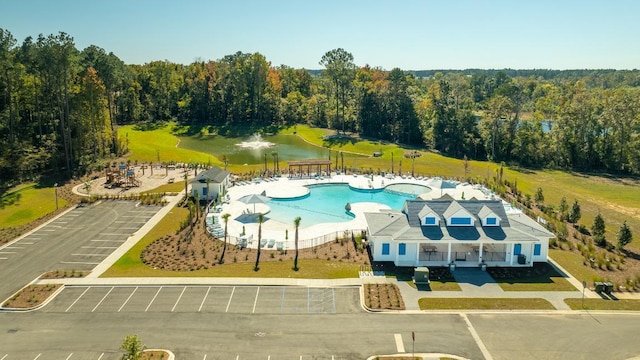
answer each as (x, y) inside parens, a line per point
(219, 299)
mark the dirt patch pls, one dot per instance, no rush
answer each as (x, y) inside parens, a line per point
(31, 296)
(383, 297)
(196, 249)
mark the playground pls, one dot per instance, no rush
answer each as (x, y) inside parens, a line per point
(126, 179)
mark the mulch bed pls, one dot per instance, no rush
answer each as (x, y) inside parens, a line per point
(64, 274)
(31, 296)
(196, 249)
(383, 297)
(538, 270)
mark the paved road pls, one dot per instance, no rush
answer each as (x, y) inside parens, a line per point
(246, 335)
(78, 240)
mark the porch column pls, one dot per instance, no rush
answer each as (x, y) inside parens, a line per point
(449, 254)
(480, 253)
(511, 254)
(417, 254)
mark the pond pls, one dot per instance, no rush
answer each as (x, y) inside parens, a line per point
(252, 150)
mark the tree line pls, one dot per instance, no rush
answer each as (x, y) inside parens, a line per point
(60, 106)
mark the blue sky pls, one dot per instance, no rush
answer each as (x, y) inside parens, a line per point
(411, 35)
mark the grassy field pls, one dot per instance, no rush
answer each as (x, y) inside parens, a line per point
(484, 304)
(572, 262)
(130, 264)
(26, 203)
(603, 304)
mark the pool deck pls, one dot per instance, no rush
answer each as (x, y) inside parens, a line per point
(284, 187)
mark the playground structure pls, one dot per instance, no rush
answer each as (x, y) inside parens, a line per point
(121, 176)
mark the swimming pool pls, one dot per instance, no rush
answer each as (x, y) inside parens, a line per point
(325, 203)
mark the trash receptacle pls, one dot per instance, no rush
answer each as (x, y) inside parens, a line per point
(599, 286)
(522, 259)
(452, 267)
(608, 287)
(483, 267)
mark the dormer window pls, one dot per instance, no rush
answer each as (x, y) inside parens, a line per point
(456, 215)
(428, 217)
(488, 217)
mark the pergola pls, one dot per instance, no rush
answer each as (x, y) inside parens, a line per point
(317, 165)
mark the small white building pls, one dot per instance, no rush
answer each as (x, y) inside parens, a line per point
(210, 183)
(466, 233)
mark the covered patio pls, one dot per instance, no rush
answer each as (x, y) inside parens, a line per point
(307, 168)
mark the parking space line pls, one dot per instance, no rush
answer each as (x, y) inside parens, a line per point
(99, 247)
(26, 243)
(99, 240)
(179, 297)
(77, 300)
(333, 292)
(5, 356)
(69, 357)
(129, 298)
(256, 300)
(205, 357)
(104, 297)
(152, 300)
(476, 337)
(202, 304)
(229, 303)
(88, 255)
(14, 247)
(37, 357)
(4, 258)
(399, 343)
(8, 252)
(79, 263)
(101, 355)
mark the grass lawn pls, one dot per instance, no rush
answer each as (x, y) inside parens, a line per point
(541, 277)
(148, 145)
(484, 304)
(130, 264)
(602, 304)
(26, 203)
(175, 187)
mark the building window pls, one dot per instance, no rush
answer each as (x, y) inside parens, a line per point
(402, 249)
(204, 191)
(385, 249)
(536, 249)
(430, 220)
(491, 221)
(517, 249)
(460, 221)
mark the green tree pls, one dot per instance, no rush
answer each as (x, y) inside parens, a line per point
(296, 222)
(563, 208)
(624, 236)
(260, 220)
(575, 213)
(225, 217)
(133, 347)
(598, 230)
(539, 196)
(340, 69)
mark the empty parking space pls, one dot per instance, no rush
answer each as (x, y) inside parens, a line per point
(63, 355)
(220, 299)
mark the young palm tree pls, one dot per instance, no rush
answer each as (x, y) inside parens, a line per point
(260, 220)
(296, 222)
(225, 217)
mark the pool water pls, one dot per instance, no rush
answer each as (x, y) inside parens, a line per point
(326, 203)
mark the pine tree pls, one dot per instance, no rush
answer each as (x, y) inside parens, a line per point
(624, 236)
(575, 213)
(539, 197)
(598, 230)
(563, 208)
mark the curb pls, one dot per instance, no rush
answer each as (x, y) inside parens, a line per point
(171, 355)
(420, 355)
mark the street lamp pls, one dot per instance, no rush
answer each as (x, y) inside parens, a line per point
(55, 191)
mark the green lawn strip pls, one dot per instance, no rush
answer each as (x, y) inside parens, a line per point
(572, 262)
(174, 187)
(437, 286)
(604, 304)
(551, 281)
(130, 264)
(148, 145)
(484, 304)
(26, 203)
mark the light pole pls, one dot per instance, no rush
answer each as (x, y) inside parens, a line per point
(55, 191)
